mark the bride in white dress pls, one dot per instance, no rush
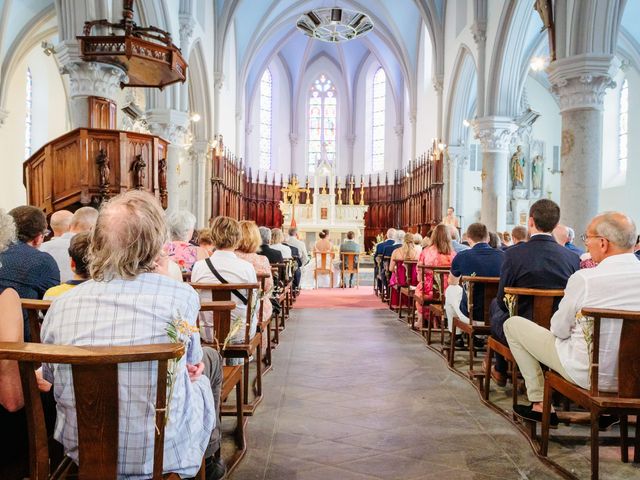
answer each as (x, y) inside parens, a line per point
(307, 279)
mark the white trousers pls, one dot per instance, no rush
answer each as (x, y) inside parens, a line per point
(453, 296)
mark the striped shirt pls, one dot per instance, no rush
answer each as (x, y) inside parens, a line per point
(134, 312)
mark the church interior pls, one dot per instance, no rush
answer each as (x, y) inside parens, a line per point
(303, 239)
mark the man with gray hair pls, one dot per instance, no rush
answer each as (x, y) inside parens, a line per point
(610, 239)
(455, 240)
(131, 300)
(292, 240)
(564, 236)
(265, 249)
(81, 221)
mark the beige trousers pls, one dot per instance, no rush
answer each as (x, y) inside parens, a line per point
(532, 345)
(453, 296)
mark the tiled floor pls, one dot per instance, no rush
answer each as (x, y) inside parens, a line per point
(356, 395)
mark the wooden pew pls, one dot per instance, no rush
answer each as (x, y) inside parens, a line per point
(95, 379)
(251, 346)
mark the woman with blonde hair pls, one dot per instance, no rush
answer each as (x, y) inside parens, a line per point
(205, 241)
(398, 270)
(247, 250)
(439, 254)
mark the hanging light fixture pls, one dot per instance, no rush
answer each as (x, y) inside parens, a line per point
(334, 25)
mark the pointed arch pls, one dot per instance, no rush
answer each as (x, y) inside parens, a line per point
(461, 95)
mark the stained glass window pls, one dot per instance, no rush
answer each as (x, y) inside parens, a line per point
(27, 120)
(623, 124)
(378, 120)
(323, 110)
(266, 115)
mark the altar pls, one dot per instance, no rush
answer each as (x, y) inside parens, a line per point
(330, 207)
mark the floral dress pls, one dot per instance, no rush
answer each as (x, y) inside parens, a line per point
(182, 253)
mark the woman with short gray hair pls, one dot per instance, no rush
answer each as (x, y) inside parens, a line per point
(181, 224)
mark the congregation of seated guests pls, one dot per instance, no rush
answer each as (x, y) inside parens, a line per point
(124, 268)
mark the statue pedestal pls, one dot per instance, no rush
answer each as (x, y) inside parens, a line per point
(520, 211)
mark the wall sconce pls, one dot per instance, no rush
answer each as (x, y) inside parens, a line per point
(538, 64)
(195, 117)
(466, 123)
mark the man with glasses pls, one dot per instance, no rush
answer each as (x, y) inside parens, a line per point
(610, 239)
(23, 267)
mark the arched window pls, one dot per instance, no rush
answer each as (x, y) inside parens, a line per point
(323, 107)
(379, 90)
(27, 120)
(266, 115)
(623, 121)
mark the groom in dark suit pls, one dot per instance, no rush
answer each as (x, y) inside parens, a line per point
(539, 263)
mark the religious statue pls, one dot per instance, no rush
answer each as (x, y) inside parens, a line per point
(162, 181)
(293, 191)
(104, 171)
(536, 172)
(138, 167)
(517, 168)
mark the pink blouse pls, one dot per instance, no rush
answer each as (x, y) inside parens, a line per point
(183, 253)
(262, 266)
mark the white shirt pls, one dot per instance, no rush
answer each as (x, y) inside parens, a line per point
(233, 270)
(302, 248)
(615, 284)
(58, 248)
(286, 251)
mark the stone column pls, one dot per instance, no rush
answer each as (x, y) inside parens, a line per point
(172, 125)
(218, 82)
(580, 83)
(87, 79)
(293, 140)
(494, 134)
(455, 155)
(437, 86)
(199, 151)
(351, 141)
(399, 131)
(187, 23)
(479, 32)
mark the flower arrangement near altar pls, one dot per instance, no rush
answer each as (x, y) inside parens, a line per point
(379, 239)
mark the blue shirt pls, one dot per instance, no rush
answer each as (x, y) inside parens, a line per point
(574, 249)
(29, 272)
(482, 260)
(134, 312)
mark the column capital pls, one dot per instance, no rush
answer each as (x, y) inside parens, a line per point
(218, 80)
(438, 83)
(187, 24)
(494, 133)
(479, 31)
(200, 147)
(172, 125)
(581, 81)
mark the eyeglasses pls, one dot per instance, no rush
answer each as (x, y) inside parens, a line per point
(584, 237)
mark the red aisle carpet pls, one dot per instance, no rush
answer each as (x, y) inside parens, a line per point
(331, 298)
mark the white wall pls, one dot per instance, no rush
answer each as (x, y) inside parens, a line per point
(622, 195)
(49, 120)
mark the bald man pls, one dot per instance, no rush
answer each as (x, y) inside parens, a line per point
(564, 236)
(614, 283)
(60, 222)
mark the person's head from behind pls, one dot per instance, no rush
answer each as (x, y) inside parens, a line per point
(60, 222)
(544, 215)
(322, 235)
(391, 234)
(204, 239)
(128, 237)
(293, 232)
(400, 234)
(519, 234)
(276, 236)
(31, 224)
(477, 233)
(453, 231)
(417, 239)
(507, 238)
(7, 231)
(84, 219)
(608, 234)
(351, 235)
(78, 252)
(326, 232)
(265, 235)
(181, 225)
(225, 233)
(250, 239)
(571, 235)
(441, 239)
(494, 240)
(561, 234)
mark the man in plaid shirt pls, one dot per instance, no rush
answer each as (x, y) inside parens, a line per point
(130, 300)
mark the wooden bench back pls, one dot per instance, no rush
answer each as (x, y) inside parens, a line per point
(628, 354)
(349, 263)
(323, 261)
(543, 302)
(490, 291)
(440, 278)
(407, 272)
(34, 308)
(95, 384)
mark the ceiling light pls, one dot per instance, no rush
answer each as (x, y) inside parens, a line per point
(538, 64)
(334, 24)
